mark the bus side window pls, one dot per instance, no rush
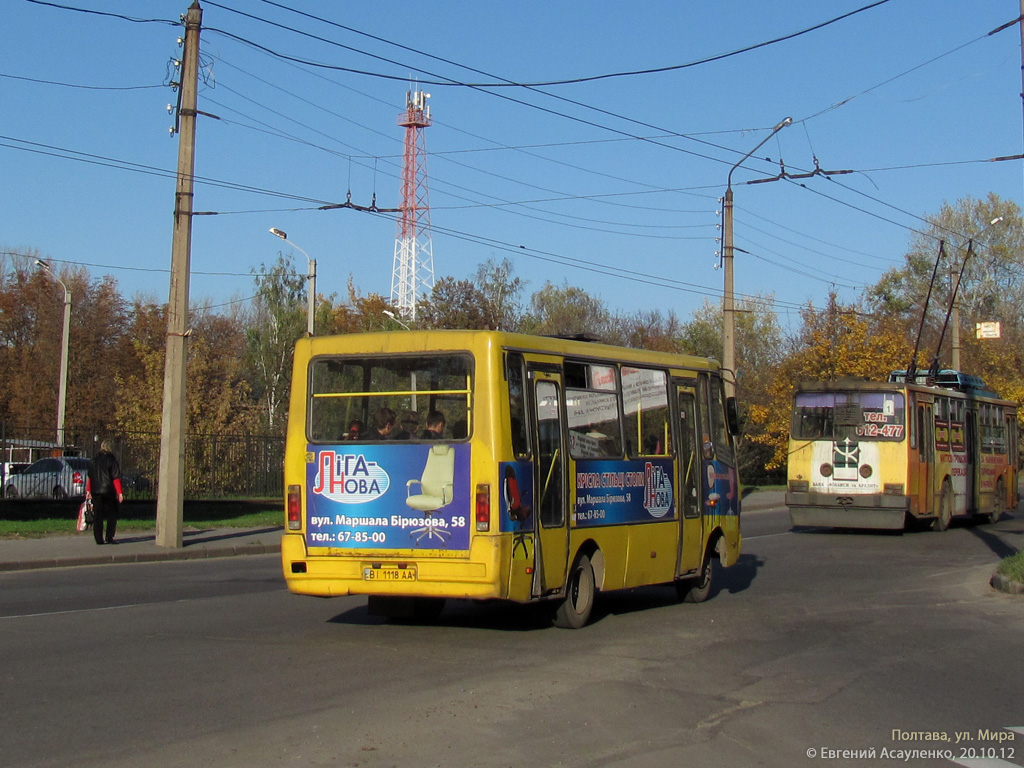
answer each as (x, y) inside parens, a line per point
(645, 404)
(719, 428)
(707, 446)
(514, 368)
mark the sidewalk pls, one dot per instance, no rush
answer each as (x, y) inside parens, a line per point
(64, 551)
(755, 501)
(135, 547)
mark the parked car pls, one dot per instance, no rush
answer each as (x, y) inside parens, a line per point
(54, 478)
(9, 468)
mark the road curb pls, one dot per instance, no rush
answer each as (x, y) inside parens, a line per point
(1007, 585)
(141, 557)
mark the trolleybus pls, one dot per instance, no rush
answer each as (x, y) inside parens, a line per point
(562, 467)
(868, 454)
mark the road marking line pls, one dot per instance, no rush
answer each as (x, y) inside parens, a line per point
(85, 610)
(767, 535)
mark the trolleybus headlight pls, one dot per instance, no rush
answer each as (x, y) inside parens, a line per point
(826, 470)
(865, 471)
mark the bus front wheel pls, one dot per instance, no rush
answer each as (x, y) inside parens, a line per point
(941, 522)
(697, 590)
(574, 611)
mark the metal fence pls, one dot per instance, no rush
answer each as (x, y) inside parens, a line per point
(216, 466)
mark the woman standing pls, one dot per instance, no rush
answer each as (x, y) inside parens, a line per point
(103, 487)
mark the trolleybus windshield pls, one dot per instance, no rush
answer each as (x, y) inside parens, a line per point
(854, 415)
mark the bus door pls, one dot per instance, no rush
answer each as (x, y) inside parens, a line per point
(973, 461)
(926, 457)
(552, 550)
(691, 534)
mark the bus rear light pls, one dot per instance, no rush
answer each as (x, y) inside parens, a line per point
(294, 507)
(483, 507)
(826, 470)
(865, 471)
(894, 489)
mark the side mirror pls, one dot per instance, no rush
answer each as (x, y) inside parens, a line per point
(732, 416)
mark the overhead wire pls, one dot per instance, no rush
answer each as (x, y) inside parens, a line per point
(80, 86)
(503, 83)
(587, 106)
(242, 187)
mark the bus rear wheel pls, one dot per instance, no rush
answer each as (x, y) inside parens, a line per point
(697, 590)
(997, 503)
(941, 522)
(574, 611)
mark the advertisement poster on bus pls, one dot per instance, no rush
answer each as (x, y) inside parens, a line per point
(610, 492)
(393, 496)
(516, 500)
(722, 487)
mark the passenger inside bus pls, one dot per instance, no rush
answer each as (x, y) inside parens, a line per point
(384, 424)
(435, 426)
(409, 427)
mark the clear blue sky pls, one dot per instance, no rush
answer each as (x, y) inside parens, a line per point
(611, 184)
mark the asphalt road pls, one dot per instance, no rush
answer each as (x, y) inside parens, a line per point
(816, 640)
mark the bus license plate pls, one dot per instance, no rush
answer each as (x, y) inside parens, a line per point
(389, 574)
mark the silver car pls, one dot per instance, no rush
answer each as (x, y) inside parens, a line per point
(53, 478)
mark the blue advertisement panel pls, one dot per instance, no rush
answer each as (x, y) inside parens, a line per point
(722, 485)
(612, 492)
(393, 496)
(516, 504)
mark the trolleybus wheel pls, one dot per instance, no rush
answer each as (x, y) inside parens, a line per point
(997, 505)
(574, 610)
(941, 522)
(698, 589)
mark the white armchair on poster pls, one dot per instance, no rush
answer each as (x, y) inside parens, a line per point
(436, 488)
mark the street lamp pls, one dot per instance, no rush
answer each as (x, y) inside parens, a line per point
(394, 317)
(954, 307)
(63, 392)
(728, 298)
(310, 277)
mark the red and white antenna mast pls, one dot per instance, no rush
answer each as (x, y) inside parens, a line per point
(414, 254)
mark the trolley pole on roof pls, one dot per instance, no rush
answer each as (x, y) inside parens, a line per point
(170, 500)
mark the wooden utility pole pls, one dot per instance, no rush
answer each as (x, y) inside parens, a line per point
(171, 489)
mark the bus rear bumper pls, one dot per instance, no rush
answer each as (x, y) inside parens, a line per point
(338, 575)
(883, 511)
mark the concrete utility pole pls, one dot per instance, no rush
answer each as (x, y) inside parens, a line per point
(728, 300)
(62, 395)
(171, 489)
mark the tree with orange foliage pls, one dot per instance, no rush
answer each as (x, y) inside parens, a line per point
(837, 341)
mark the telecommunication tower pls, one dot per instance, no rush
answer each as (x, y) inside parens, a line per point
(414, 254)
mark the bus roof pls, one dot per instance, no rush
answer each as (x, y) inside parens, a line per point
(947, 383)
(399, 342)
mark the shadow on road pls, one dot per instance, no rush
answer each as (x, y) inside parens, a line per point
(501, 616)
(992, 540)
